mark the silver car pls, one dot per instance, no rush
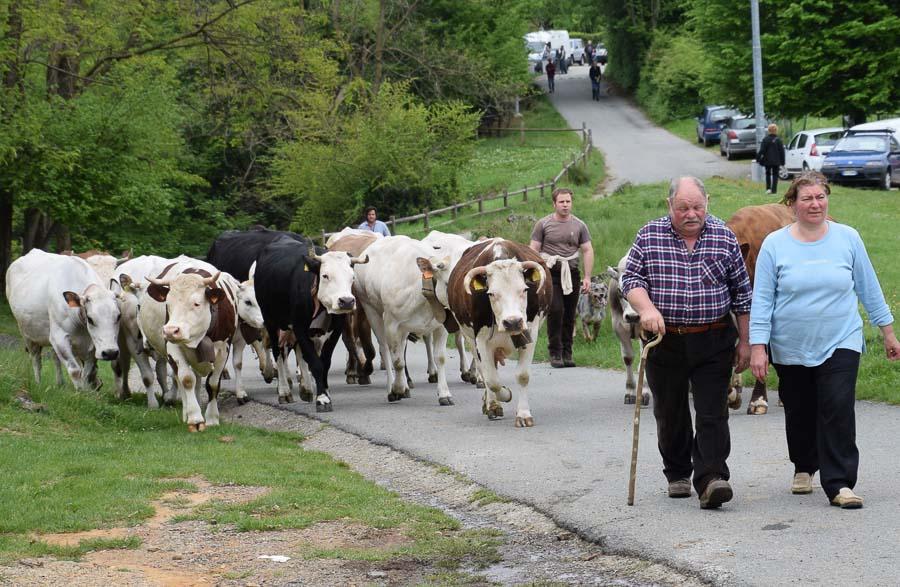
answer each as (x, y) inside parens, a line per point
(738, 137)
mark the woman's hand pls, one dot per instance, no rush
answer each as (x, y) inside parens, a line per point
(759, 361)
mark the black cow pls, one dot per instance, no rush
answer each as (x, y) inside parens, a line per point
(309, 294)
(234, 251)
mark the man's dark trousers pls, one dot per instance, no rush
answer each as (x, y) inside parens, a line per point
(561, 320)
(701, 363)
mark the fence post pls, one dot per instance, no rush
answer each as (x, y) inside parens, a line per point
(323, 237)
(506, 198)
(453, 211)
(392, 220)
(521, 131)
(525, 194)
(541, 194)
(583, 132)
(565, 174)
(481, 203)
(552, 186)
(426, 218)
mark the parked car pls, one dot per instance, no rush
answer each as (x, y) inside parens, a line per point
(808, 148)
(868, 153)
(535, 43)
(710, 121)
(600, 54)
(738, 136)
(575, 51)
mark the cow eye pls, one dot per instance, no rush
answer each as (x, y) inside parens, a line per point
(117, 319)
(90, 321)
(249, 303)
(196, 304)
(324, 276)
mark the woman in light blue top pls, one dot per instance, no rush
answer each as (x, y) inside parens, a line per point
(810, 278)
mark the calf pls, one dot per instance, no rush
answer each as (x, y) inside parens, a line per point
(626, 325)
(309, 294)
(499, 293)
(60, 301)
(751, 225)
(591, 307)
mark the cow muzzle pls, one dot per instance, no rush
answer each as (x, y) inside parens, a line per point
(346, 303)
(173, 333)
(513, 325)
(109, 354)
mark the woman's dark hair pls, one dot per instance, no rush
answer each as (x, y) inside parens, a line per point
(804, 179)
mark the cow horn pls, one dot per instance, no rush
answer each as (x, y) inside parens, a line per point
(158, 281)
(472, 274)
(359, 260)
(526, 265)
(211, 280)
(314, 257)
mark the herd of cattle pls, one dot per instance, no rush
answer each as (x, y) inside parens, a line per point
(279, 292)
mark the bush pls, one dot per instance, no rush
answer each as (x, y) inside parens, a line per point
(670, 86)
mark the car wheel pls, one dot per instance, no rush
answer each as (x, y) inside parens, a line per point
(783, 172)
(721, 150)
(886, 183)
(699, 139)
(728, 155)
(705, 141)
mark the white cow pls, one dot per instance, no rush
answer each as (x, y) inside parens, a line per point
(390, 289)
(626, 325)
(189, 314)
(60, 301)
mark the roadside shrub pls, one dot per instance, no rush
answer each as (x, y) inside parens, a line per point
(671, 86)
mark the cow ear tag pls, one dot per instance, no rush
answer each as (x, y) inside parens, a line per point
(427, 275)
(533, 276)
(306, 267)
(478, 283)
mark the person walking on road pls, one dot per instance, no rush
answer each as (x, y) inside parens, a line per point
(550, 70)
(810, 278)
(594, 73)
(559, 237)
(684, 275)
(771, 156)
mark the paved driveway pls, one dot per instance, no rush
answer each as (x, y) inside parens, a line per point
(635, 150)
(573, 465)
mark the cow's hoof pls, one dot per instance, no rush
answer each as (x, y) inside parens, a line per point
(445, 401)
(192, 428)
(479, 385)
(526, 422)
(410, 384)
(645, 399)
(123, 395)
(200, 427)
(324, 407)
(406, 394)
(630, 398)
(306, 395)
(780, 405)
(734, 400)
(268, 378)
(394, 397)
(364, 380)
(243, 400)
(351, 379)
(286, 399)
(465, 377)
(493, 412)
(432, 378)
(757, 408)
(504, 394)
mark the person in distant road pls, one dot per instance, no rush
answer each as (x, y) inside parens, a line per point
(685, 275)
(589, 52)
(771, 156)
(563, 60)
(550, 70)
(594, 73)
(559, 238)
(810, 278)
(372, 223)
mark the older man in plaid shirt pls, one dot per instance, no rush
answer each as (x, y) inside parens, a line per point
(684, 275)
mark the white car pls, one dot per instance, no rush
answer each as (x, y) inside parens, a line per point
(807, 150)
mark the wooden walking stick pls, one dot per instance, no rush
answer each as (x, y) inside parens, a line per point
(637, 416)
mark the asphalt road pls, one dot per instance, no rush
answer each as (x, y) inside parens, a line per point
(573, 465)
(635, 150)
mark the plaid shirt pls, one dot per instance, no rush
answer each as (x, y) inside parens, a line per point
(689, 288)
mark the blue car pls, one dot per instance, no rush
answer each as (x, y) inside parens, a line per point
(865, 156)
(710, 123)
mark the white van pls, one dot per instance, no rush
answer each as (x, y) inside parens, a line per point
(559, 38)
(535, 43)
(575, 51)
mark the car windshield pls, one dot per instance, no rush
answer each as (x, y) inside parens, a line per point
(861, 143)
(829, 138)
(535, 46)
(720, 115)
(743, 123)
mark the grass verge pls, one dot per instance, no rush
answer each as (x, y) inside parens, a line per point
(87, 461)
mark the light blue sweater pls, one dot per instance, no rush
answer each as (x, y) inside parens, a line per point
(806, 296)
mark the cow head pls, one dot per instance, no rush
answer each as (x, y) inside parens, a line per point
(617, 299)
(99, 309)
(334, 277)
(506, 284)
(188, 297)
(247, 307)
(129, 293)
(439, 269)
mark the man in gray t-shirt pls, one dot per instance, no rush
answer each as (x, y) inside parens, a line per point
(559, 237)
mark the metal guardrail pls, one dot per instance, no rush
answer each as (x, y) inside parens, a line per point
(454, 209)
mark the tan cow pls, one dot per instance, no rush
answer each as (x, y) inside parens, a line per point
(751, 225)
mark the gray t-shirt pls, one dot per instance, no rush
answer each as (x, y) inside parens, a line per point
(561, 238)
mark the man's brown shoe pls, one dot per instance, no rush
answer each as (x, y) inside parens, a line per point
(680, 488)
(556, 362)
(802, 484)
(847, 500)
(717, 492)
(568, 361)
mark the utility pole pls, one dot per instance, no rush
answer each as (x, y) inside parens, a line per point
(756, 170)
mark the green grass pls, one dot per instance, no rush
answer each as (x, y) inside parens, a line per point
(503, 164)
(614, 221)
(88, 461)
(483, 497)
(7, 322)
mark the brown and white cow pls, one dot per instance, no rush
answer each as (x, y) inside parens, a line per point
(499, 293)
(196, 314)
(751, 225)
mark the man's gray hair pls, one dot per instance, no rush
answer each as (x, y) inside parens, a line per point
(676, 182)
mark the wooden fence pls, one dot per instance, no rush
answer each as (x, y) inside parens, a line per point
(427, 216)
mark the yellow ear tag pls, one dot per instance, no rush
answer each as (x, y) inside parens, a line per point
(534, 275)
(478, 285)
(427, 275)
(306, 267)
